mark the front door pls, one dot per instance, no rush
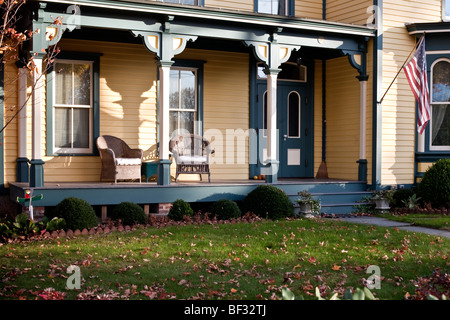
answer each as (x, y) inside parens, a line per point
(294, 124)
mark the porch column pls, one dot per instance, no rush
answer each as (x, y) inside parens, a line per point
(36, 169)
(164, 134)
(22, 174)
(362, 169)
(272, 143)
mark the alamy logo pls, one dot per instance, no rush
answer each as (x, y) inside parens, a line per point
(74, 281)
(374, 281)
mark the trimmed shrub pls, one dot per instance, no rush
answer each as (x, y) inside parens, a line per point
(179, 209)
(401, 196)
(129, 213)
(225, 209)
(269, 202)
(435, 185)
(77, 213)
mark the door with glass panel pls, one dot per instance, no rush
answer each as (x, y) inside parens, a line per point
(294, 126)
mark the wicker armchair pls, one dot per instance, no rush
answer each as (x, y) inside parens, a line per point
(119, 161)
(191, 153)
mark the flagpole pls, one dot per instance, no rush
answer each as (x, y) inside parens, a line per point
(406, 61)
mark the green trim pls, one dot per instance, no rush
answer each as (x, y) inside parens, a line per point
(200, 14)
(428, 27)
(203, 192)
(95, 57)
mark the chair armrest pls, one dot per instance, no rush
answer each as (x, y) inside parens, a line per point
(107, 154)
(135, 153)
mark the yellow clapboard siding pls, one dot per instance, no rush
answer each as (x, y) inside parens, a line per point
(243, 5)
(317, 115)
(311, 9)
(342, 119)
(349, 11)
(398, 128)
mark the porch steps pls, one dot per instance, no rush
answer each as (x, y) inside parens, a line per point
(335, 198)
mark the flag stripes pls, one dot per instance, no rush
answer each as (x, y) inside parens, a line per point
(416, 73)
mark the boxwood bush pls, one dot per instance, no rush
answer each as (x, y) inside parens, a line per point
(268, 202)
(129, 213)
(434, 188)
(179, 209)
(77, 213)
(225, 209)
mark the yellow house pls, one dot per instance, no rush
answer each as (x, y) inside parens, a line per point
(302, 93)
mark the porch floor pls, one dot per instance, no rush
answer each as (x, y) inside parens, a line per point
(336, 196)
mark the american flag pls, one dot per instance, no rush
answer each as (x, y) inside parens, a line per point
(416, 73)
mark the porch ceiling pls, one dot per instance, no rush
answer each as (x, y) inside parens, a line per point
(152, 16)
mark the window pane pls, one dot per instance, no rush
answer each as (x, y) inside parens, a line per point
(441, 82)
(187, 121)
(174, 89)
(294, 115)
(187, 89)
(173, 123)
(447, 9)
(81, 128)
(272, 6)
(63, 79)
(440, 123)
(261, 73)
(265, 6)
(62, 127)
(82, 84)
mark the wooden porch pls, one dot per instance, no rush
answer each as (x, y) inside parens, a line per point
(336, 196)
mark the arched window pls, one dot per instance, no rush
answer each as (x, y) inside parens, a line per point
(440, 105)
(293, 111)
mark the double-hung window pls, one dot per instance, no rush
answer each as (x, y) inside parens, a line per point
(276, 7)
(183, 100)
(440, 105)
(72, 106)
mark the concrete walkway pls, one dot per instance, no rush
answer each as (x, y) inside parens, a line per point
(395, 224)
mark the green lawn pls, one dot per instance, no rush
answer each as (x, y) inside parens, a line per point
(223, 261)
(435, 221)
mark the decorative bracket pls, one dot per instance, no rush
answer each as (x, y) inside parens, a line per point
(164, 45)
(358, 60)
(272, 54)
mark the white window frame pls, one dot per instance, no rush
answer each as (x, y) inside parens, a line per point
(286, 9)
(445, 8)
(56, 149)
(436, 148)
(179, 110)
